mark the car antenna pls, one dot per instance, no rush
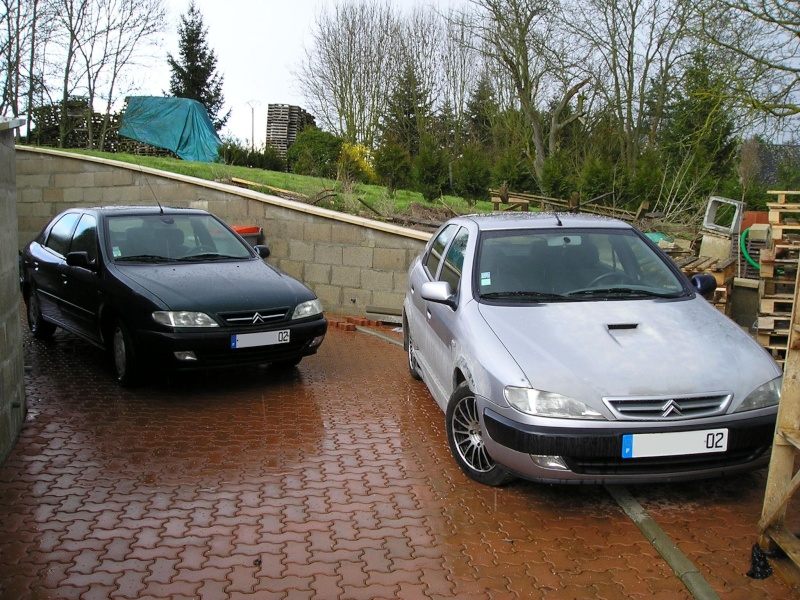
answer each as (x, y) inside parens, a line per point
(558, 220)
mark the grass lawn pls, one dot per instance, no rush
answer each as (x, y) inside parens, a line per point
(376, 198)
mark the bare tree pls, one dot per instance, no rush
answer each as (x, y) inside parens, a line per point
(521, 38)
(347, 72)
(636, 47)
(765, 35)
(109, 42)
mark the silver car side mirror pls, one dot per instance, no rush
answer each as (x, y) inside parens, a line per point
(439, 292)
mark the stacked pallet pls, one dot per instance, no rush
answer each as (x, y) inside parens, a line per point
(778, 273)
(284, 122)
(723, 270)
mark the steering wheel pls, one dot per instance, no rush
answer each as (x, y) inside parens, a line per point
(618, 275)
(201, 249)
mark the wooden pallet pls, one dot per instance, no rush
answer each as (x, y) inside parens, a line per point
(723, 269)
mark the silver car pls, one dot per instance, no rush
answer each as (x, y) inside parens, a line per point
(570, 349)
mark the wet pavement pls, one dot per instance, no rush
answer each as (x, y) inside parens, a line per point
(331, 480)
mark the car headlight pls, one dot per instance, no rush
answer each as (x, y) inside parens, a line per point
(547, 404)
(183, 318)
(307, 309)
(763, 396)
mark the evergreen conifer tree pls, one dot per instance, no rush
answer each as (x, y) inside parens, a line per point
(194, 73)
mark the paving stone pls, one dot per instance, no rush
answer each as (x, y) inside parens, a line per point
(333, 480)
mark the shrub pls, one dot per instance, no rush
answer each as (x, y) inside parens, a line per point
(233, 152)
(430, 170)
(392, 166)
(471, 175)
(315, 152)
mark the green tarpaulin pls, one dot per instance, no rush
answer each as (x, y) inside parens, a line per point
(177, 124)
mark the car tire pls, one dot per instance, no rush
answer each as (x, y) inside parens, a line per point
(126, 361)
(408, 346)
(466, 440)
(40, 329)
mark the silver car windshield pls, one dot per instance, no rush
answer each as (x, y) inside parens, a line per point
(551, 265)
(171, 237)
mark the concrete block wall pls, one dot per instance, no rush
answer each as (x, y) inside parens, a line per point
(12, 389)
(350, 262)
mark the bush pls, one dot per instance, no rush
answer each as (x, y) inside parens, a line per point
(471, 175)
(430, 170)
(355, 164)
(315, 152)
(232, 152)
(392, 166)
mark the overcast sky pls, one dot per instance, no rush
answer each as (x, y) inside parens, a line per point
(258, 44)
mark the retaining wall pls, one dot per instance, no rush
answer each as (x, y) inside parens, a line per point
(352, 264)
(12, 390)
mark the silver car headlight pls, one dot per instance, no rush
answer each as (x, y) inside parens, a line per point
(183, 318)
(307, 309)
(547, 404)
(763, 396)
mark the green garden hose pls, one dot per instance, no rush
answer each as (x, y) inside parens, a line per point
(742, 240)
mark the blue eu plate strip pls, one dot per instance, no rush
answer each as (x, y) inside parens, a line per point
(627, 446)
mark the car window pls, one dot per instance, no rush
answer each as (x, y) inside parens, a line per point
(60, 236)
(454, 261)
(434, 257)
(85, 237)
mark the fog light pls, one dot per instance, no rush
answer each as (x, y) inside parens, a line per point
(549, 462)
(317, 341)
(187, 355)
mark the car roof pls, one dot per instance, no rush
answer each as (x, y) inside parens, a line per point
(140, 210)
(549, 220)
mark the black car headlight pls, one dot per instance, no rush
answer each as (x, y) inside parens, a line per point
(763, 396)
(547, 404)
(183, 318)
(307, 309)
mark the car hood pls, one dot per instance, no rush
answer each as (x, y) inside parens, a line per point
(217, 286)
(630, 348)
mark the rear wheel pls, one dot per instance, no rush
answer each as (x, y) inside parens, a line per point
(466, 440)
(40, 329)
(408, 344)
(126, 361)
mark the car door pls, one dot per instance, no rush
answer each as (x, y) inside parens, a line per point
(442, 320)
(81, 283)
(46, 263)
(426, 270)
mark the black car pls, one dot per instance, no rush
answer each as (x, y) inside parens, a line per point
(166, 288)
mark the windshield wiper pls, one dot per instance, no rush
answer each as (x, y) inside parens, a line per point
(143, 258)
(623, 291)
(528, 295)
(206, 256)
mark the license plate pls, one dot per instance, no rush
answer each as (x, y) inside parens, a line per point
(643, 445)
(265, 338)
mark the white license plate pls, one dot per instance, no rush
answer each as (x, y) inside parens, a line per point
(265, 338)
(643, 445)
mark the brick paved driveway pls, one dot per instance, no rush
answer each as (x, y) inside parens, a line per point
(331, 481)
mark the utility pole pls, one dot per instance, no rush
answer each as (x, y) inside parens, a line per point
(252, 104)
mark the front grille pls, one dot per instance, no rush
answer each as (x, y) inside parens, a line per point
(673, 408)
(665, 464)
(255, 317)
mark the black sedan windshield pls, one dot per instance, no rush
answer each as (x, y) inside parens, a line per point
(155, 238)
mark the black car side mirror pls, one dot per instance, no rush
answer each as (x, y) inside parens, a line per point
(263, 251)
(704, 284)
(80, 259)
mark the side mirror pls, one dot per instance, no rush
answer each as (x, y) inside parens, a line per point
(439, 292)
(80, 259)
(262, 251)
(704, 284)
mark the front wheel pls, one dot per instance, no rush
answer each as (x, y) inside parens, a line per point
(408, 344)
(40, 329)
(126, 362)
(466, 440)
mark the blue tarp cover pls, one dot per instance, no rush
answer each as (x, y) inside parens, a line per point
(177, 124)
